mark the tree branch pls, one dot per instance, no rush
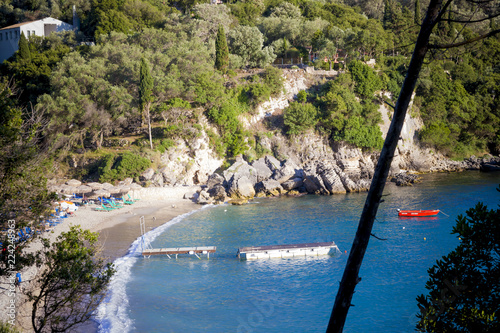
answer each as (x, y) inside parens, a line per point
(469, 41)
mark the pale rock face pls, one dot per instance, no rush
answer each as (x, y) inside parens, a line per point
(147, 175)
(294, 82)
(189, 163)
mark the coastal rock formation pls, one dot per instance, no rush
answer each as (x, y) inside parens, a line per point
(405, 179)
(307, 163)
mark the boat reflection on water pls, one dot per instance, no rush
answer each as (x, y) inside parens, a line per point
(418, 218)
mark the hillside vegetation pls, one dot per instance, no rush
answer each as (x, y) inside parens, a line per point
(86, 86)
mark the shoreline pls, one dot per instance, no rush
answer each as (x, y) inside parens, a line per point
(117, 229)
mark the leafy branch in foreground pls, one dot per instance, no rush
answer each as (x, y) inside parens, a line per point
(23, 192)
(464, 293)
(72, 281)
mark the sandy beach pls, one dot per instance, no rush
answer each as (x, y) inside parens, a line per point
(117, 230)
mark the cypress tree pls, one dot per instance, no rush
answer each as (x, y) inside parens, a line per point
(418, 19)
(146, 95)
(221, 51)
(24, 49)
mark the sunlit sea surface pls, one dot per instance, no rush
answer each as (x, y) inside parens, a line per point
(223, 294)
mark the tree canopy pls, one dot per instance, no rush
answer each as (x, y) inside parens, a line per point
(463, 286)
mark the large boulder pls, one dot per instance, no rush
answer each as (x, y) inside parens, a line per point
(287, 171)
(312, 181)
(272, 162)
(293, 184)
(204, 198)
(218, 193)
(215, 179)
(329, 173)
(269, 187)
(241, 188)
(147, 175)
(157, 180)
(238, 170)
(262, 169)
(405, 179)
(169, 177)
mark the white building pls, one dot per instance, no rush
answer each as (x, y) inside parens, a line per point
(9, 36)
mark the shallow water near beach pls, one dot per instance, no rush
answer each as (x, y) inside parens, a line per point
(223, 294)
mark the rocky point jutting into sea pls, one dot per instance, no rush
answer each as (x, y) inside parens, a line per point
(307, 163)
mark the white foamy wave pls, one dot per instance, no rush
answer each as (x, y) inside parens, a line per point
(112, 313)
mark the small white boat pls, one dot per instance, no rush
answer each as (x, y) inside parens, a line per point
(287, 251)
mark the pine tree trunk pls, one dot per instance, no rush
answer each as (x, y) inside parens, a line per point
(350, 277)
(149, 126)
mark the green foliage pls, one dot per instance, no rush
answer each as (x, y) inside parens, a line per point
(247, 11)
(5, 327)
(23, 168)
(231, 131)
(463, 294)
(274, 80)
(437, 134)
(33, 69)
(164, 145)
(71, 282)
(299, 117)
(361, 135)
(302, 96)
(24, 50)
(367, 81)
(460, 116)
(123, 166)
(247, 43)
(145, 86)
(221, 51)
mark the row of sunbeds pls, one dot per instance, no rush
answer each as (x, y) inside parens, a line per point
(112, 203)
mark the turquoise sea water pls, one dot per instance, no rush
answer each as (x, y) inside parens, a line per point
(223, 294)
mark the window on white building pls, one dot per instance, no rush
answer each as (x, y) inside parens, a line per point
(33, 32)
(16, 34)
(1, 36)
(28, 33)
(6, 35)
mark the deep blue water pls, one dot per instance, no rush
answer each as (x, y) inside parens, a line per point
(223, 294)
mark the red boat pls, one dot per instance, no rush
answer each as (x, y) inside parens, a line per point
(428, 212)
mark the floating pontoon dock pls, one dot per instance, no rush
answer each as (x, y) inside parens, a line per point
(180, 250)
(288, 251)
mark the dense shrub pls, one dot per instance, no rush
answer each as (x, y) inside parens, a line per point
(367, 81)
(123, 166)
(299, 117)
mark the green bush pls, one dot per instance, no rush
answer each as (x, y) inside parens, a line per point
(299, 117)
(367, 81)
(122, 166)
(436, 135)
(362, 135)
(273, 80)
(164, 145)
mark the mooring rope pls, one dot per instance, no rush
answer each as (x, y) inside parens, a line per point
(444, 213)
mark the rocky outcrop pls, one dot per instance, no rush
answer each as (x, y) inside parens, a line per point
(405, 179)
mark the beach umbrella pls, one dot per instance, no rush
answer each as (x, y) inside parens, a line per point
(114, 190)
(67, 189)
(83, 189)
(74, 182)
(95, 186)
(102, 193)
(107, 186)
(124, 189)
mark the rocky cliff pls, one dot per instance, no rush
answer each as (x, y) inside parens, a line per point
(309, 163)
